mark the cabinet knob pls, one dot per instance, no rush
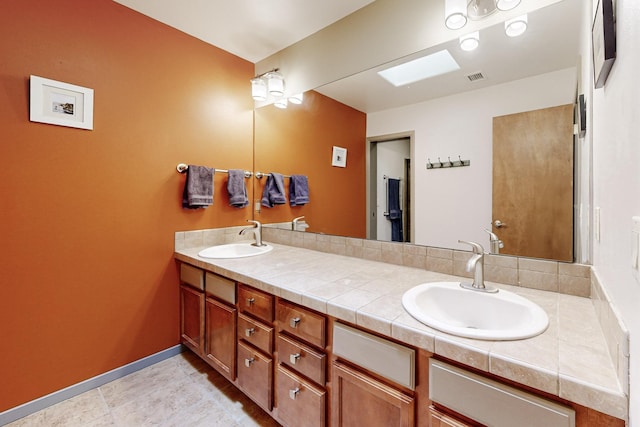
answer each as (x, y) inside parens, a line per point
(293, 358)
(249, 331)
(294, 322)
(248, 362)
(294, 393)
(250, 301)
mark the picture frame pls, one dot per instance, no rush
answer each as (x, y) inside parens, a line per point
(339, 157)
(60, 103)
(603, 37)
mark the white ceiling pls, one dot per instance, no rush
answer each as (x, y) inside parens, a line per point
(250, 29)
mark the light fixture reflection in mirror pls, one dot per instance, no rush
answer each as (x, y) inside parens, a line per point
(516, 27)
(470, 41)
(455, 14)
(281, 103)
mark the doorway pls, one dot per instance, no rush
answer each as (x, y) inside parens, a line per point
(389, 189)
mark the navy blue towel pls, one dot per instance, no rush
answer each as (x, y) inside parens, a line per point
(298, 190)
(273, 193)
(395, 213)
(198, 187)
(237, 189)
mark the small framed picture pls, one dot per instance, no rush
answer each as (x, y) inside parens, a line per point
(59, 103)
(339, 158)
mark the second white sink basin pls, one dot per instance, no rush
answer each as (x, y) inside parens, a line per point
(234, 250)
(472, 314)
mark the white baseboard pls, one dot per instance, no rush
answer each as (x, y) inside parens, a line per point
(36, 405)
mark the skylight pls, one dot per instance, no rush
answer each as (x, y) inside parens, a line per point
(419, 69)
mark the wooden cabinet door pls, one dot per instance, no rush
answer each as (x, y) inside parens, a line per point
(255, 375)
(359, 400)
(439, 419)
(300, 403)
(192, 318)
(220, 337)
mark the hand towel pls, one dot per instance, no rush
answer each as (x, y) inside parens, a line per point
(237, 189)
(273, 193)
(298, 190)
(198, 187)
(395, 213)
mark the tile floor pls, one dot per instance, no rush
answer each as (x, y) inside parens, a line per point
(182, 391)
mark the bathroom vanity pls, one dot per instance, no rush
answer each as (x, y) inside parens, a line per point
(319, 339)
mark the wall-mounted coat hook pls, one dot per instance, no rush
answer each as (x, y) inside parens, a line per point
(447, 164)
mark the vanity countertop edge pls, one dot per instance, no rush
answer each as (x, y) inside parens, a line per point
(569, 360)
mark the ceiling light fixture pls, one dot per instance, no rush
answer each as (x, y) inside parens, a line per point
(267, 84)
(516, 26)
(507, 4)
(470, 41)
(458, 12)
(259, 89)
(455, 14)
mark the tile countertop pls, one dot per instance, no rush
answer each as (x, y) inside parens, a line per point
(570, 359)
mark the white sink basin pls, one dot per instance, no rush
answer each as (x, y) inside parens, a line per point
(234, 250)
(472, 314)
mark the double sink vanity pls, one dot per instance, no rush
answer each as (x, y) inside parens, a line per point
(317, 338)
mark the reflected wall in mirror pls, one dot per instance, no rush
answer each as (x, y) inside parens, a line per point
(300, 140)
(451, 116)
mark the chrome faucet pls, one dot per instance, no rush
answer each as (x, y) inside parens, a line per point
(256, 230)
(495, 242)
(476, 265)
(294, 224)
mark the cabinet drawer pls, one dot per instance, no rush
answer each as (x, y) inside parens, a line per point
(302, 323)
(300, 403)
(256, 333)
(255, 375)
(192, 276)
(302, 359)
(257, 303)
(221, 287)
(393, 361)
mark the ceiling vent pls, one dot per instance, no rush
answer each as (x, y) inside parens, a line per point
(474, 77)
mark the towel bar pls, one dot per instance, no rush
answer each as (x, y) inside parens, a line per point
(259, 175)
(182, 168)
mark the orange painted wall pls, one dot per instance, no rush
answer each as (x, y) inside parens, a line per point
(300, 140)
(87, 218)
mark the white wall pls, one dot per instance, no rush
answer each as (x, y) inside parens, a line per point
(455, 203)
(616, 180)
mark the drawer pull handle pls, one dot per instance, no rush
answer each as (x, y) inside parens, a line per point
(248, 362)
(294, 393)
(249, 331)
(293, 358)
(250, 301)
(294, 322)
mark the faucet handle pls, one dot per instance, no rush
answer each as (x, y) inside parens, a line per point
(477, 247)
(256, 223)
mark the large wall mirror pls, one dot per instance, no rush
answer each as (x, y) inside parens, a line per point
(442, 120)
